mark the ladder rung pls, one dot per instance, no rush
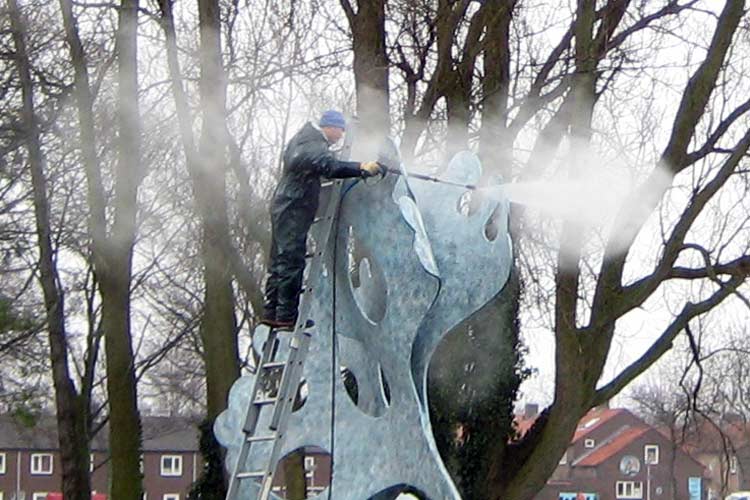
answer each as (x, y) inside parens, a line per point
(282, 329)
(251, 475)
(274, 364)
(258, 439)
(267, 401)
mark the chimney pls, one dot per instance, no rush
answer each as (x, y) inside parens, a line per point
(531, 410)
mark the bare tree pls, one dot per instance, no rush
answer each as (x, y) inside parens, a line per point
(72, 406)
(437, 51)
(534, 89)
(112, 253)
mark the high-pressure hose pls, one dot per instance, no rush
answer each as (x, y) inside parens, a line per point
(334, 375)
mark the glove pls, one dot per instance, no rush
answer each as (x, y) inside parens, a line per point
(370, 168)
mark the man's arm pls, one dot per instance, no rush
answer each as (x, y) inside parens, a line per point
(325, 164)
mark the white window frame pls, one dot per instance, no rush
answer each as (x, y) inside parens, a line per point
(655, 449)
(589, 443)
(629, 489)
(176, 468)
(309, 466)
(34, 465)
(733, 464)
(3, 459)
(171, 496)
(39, 495)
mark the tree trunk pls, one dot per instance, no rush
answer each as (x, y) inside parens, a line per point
(457, 103)
(207, 169)
(574, 387)
(115, 284)
(294, 474)
(72, 413)
(112, 257)
(218, 328)
(495, 143)
(370, 69)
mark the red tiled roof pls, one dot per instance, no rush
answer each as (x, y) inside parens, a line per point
(605, 451)
(593, 419)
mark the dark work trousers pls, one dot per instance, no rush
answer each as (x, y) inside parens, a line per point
(289, 229)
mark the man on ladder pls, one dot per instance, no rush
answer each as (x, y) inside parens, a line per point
(307, 158)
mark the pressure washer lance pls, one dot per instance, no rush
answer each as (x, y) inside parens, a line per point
(387, 169)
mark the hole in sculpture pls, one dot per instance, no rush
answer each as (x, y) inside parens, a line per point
(303, 472)
(364, 387)
(492, 226)
(301, 397)
(350, 384)
(366, 279)
(468, 204)
(385, 389)
(400, 492)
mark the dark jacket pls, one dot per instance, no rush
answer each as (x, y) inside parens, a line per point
(307, 159)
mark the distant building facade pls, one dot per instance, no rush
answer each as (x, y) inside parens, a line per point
(30, 466)
(723, 447)
(614, 455)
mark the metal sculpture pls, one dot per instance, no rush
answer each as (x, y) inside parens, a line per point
(418, 261)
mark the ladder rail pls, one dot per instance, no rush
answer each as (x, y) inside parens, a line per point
(251, 418)
(283, 418)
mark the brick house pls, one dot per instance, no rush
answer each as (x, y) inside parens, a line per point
(614, 455)
(30, 462)
(723, 447)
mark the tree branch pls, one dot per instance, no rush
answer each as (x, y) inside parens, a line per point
(664, 342)
(622, 300)
(671, 8)
(349, 11)
(717, 134)
(700, 86)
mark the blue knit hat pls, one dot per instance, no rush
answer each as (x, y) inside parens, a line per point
(332, 118)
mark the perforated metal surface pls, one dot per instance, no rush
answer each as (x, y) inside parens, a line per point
(390, 315)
